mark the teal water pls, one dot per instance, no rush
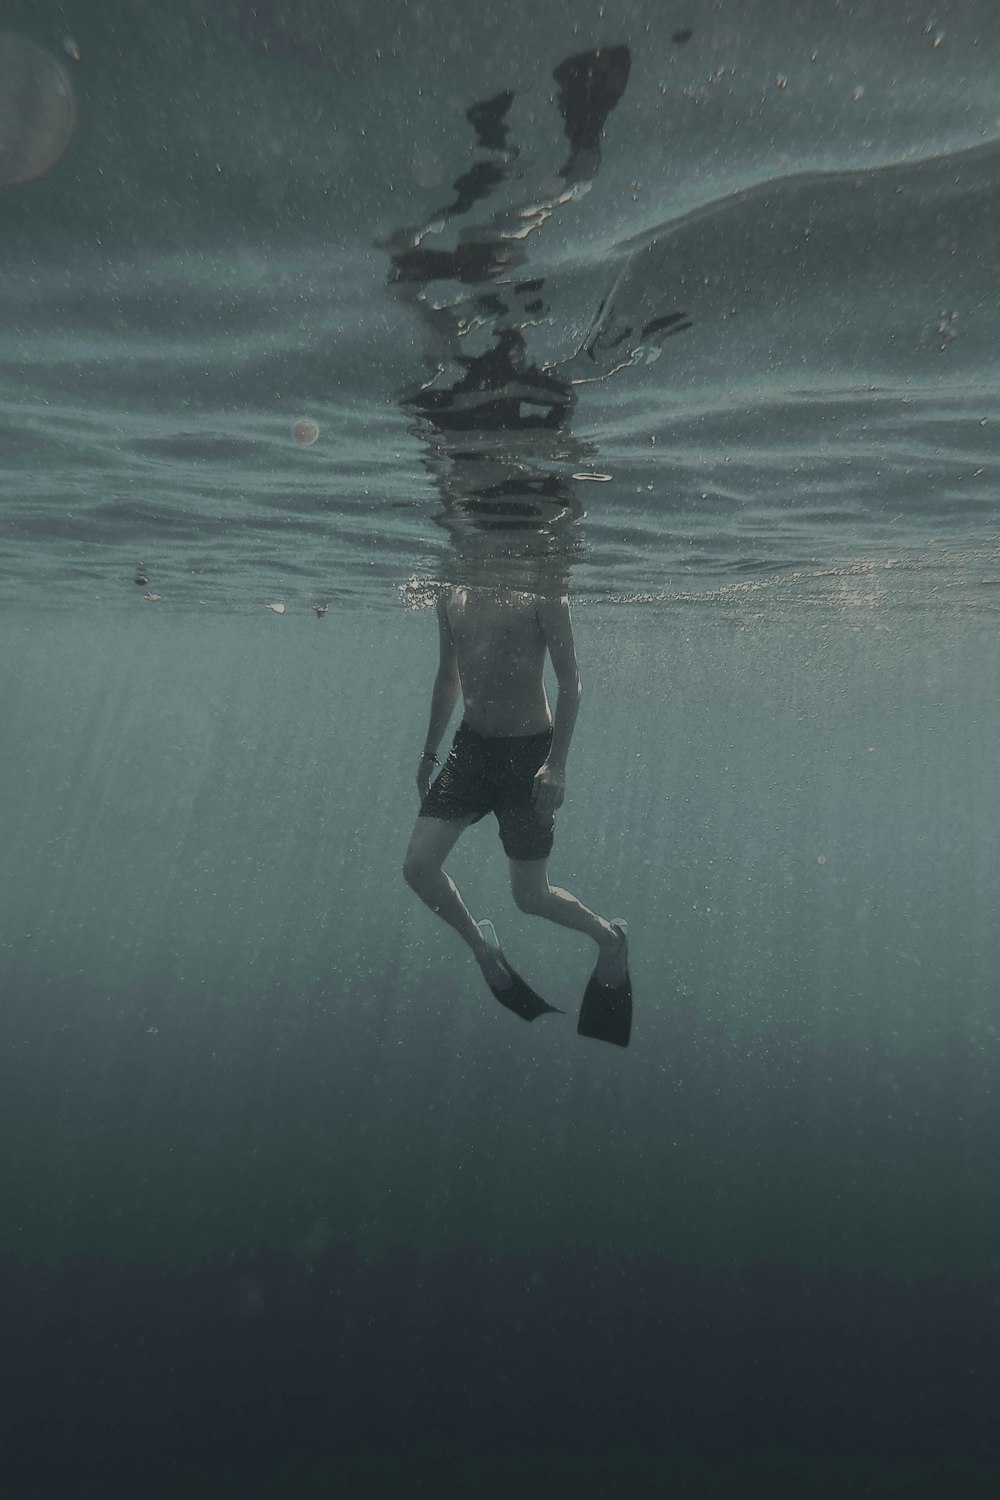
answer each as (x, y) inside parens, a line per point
(291, 1207)
(230, 1025)
(212, 261)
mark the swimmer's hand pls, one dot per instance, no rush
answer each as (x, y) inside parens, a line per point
(425, 775)
(549, 788)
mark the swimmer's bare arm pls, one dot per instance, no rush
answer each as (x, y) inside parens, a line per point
(557, 627)
(444, 696)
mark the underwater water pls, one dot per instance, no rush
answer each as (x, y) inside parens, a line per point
(688, 313)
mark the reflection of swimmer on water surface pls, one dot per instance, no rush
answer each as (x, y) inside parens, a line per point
(498, 390)
(490, 255)
(499, 441)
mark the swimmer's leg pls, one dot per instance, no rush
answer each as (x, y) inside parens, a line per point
(513, 992)
(606, 1013)
(430, 844)
(529, 885)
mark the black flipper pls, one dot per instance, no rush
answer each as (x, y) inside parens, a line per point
(522, 1000)
(516, 996)
(606, 1012)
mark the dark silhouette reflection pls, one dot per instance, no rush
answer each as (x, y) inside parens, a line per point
(495, 425)
(509, 758)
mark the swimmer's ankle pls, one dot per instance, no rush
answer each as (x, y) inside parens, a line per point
(611, 939)
(612, 961)
(490, 960)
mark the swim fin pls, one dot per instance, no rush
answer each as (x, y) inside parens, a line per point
(516, 996)
(606, 1012)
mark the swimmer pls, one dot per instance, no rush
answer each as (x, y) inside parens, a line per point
(508, 758)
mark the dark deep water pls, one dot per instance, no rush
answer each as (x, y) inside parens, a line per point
(702, 329)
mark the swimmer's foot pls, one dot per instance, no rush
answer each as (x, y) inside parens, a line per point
(507, 986)
(606, 1012)
(612, 961)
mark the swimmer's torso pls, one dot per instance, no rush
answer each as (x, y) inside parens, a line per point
(501, 649)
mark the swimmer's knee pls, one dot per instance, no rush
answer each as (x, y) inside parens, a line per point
(419, 866)
(531, 899)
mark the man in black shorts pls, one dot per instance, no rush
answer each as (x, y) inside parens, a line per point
(509, 758)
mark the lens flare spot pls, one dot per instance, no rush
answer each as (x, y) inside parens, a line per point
(37, 110)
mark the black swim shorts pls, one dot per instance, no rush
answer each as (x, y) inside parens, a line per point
(486, 773)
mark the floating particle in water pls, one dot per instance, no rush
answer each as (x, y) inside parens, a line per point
(153, 598)
(142, 576)
(821, 859)
(781, 82)
(305, 432)
(598, 478)
(71, 49)
(947, 328)
(683, 35)
(321, 610)
(279, 609)
(858, 93)
(37, 110)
